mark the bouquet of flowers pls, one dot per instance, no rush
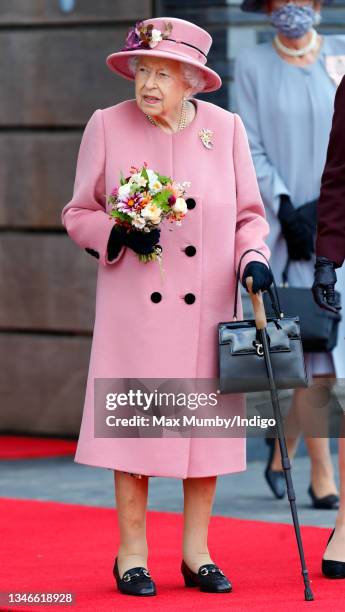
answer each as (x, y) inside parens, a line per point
(144, 199)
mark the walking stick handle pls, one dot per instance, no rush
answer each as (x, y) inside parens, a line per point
(258, 305)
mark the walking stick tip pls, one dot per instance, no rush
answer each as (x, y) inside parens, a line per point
(308, 594)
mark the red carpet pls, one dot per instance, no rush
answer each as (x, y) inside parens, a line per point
(27, 447)
(55, 547)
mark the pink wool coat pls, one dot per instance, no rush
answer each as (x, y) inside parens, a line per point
(135, 336)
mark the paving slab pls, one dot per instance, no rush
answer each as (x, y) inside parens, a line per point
(243, 494)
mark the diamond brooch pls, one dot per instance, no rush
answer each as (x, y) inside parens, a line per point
(206, 138)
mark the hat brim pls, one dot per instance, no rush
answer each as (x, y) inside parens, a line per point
(117, 62)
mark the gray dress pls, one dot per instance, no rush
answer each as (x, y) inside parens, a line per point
(287, 111)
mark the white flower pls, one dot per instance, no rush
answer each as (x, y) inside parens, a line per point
(153, 177)
(134, 178)
(181, 188)
(152, 213)
(180, 206)
(156, 186)
(138, 180)
(156, 37)
(138, 221)
(124, 190)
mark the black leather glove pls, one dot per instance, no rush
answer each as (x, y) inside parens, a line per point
(307, 214)
(138, 241)
(324, 282)
(142, 242)
(298, 228)
(262, 276)
(115, 243)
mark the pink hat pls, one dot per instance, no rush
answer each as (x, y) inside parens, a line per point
(172, 38)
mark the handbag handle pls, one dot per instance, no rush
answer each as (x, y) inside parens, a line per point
(285, 273)
(273, 295)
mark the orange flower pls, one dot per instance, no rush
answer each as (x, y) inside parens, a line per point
(146, 200)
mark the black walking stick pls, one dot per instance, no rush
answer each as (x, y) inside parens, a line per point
(261, 324)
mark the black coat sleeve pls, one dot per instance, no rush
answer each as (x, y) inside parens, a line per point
(330, 241)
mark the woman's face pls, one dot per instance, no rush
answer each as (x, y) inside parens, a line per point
(159, 85)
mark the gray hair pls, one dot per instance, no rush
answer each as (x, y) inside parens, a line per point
(191, 74)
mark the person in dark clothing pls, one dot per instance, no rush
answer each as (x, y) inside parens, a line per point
(330, 242)
(330, 255)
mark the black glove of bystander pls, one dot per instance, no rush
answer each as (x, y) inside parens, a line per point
(262, 276)
(307, 215)
(298, 228)
(324, 282)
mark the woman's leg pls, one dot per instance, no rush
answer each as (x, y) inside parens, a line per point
(291, 428)
(291, 444)
(131, 504)
(322, 473)
(312, 405)
(198, 500)
(336, 548)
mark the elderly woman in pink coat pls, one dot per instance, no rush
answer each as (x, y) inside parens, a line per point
(152, 329)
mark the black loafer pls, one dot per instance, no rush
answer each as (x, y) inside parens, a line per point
(209, 578)
(275, 479)
(135, 581)
(328, 502)
(333, 569)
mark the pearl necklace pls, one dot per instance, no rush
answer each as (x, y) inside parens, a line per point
(183, 117)
(297, 52)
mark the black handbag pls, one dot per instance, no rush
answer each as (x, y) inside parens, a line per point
(241, 360)
(319, 327)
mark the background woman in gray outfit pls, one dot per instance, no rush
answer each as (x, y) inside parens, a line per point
(285, 93)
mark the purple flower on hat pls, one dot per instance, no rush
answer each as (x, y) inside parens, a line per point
(145, 37)
(133, 38)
